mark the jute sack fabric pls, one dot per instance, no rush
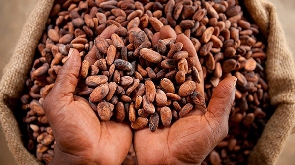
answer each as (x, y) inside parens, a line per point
(281, 80)
(279, 70)
(14, 76)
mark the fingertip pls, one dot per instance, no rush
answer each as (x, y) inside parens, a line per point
(222, 98)
(67, 77)
(74, 59)
(231, 80)
(73, 53)
(225, 86)
(70, 52)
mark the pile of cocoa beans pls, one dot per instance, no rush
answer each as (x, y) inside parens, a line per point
(139, 66)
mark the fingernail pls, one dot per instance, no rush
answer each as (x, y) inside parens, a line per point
(70, 52)
(235, 81)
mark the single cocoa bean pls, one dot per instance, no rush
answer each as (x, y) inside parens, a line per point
(105, 110)
(99, 93)
(154, 121)
(166, 116)
(167, 85)
(186, 88)
(139, 123)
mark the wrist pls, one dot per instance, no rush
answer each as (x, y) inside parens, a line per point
(69, 159)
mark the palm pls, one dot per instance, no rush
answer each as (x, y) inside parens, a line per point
(79, 134)
(92, 139)
(188, 140)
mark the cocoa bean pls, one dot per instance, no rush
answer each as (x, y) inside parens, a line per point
(166, 116)
(99, 93)
(53, 35)
(111, 53)
(167, 85)
(94, 81)
(105, 110)
(147, 106)
(139, 123)
(123, 65)
(187, 88)
(185, 110)
(161, 98)
(150, 90)
(132, 114)
(120, 112)
(154, 121)
(150, 55)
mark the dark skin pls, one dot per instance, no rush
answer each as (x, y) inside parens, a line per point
(83, 139)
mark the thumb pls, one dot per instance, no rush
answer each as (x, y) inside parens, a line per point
(222, 100)
(66, 82)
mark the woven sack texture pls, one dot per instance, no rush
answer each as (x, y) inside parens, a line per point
(279, 70)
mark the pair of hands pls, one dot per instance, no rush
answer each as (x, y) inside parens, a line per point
(82, 139)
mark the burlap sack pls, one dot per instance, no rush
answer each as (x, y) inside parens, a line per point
(279, 69)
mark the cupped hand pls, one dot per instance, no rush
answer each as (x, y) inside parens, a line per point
(80, 137)
(190, 139)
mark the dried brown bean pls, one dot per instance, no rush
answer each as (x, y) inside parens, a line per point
(156, 24)
(123, 65)
(250, 64)
(101, 44)
(37, 107)
(173, 96)
(180, 77)
(186, 88)
(138, 101)
(105, 110)
(229, 65)
(180, 55)
(150, 90)
(185, 110)
(111, 53)
(112, 90)
(120, 112)
(206, 36)
(150, 55)
(147, 106)
(99, 93)
(117, 41)
(166, 116)
(154, 121)
(139, 123)
(160, 98)
(132, 113)
(132, 88)
(53, 35)
(167, 85)
(126, 80)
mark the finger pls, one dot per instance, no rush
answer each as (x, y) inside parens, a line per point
(199, 86)
(192, 59)
(67, 78)
(106, 33)
(91, 55)
(189, 47)
(222, 100)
